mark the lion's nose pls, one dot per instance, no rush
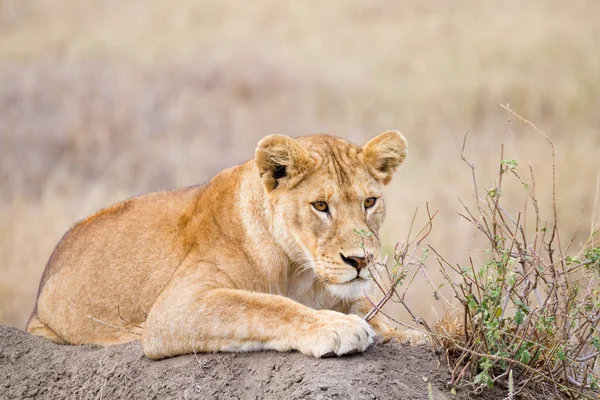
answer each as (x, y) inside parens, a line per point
(356, 262)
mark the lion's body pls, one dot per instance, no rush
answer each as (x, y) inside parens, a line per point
(215, 267)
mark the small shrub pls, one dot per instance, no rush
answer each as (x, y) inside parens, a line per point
(528, 316)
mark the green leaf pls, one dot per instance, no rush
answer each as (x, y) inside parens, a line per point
(511, 279)
(525, 357)
(508, 165)
(561, 353)
(484, 378)
(363, 233)
(571, 260)
(503, 364)
(471, 303)
(519, 317)
(498, 312)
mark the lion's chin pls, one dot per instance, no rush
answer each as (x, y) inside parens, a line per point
(351, 290)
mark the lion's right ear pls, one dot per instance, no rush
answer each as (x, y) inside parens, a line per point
(384, 153)
(281, 161)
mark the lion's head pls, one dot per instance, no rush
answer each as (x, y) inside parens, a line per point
(325, 203)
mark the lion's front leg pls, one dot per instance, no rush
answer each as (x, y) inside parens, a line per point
(384, 328)
(189, 318)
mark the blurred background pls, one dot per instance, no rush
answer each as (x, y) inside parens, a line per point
(103, 100)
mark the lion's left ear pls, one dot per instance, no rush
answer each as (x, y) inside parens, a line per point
(384, 153)
(281, 161)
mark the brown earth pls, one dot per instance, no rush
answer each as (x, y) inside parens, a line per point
(32, 367)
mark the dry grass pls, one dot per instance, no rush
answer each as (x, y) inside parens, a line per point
(101, 100)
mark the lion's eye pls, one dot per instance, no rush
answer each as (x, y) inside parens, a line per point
(320, 206)
(370, 202)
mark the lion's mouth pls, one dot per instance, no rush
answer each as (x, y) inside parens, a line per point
(356, 279)
(345, 277)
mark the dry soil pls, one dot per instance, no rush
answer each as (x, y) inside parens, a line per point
(33, 367)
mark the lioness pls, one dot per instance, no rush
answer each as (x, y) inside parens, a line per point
(263, 256)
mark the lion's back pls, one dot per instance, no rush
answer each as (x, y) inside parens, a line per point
(113, 263)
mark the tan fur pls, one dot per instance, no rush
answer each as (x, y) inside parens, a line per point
(242, 263)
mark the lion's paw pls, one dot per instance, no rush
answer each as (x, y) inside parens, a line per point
(410, 337)
(335, 333)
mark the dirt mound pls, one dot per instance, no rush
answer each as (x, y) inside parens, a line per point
(34, 367)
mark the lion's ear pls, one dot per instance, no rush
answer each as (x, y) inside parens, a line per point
(281, 161)
(384, 153)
